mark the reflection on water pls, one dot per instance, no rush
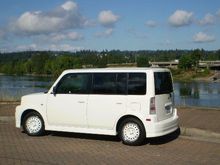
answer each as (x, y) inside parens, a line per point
(13, 87)
(191, 93)
(185, 90)
(205, 94)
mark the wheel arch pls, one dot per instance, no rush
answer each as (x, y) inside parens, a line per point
(29, 111)
(125, 117)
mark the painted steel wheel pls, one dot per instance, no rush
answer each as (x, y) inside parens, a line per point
(33, 124)
(132, 132)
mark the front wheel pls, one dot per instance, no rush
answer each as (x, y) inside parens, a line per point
(132, 132)
(33, 124)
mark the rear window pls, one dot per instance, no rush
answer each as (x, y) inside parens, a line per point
(163, 83)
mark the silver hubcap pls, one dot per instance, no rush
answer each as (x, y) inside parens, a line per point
(33, 124)
(131, 132)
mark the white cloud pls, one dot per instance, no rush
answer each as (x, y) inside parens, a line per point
(31, 47)
(167, 42)
(106, 33)
(64, 17)
(2, 33)
(69, 5)
(203, 37)
(207, 20)
(107, 18)
(218, 13)
(65, 47)
(74, 36)
(52, 47)
(181, 18)
(151, 23)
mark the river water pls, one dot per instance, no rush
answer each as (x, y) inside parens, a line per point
(203, 94)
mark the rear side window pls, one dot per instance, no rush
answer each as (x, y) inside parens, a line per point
(163, 83)
(121, 80)
(104, 83)
(137, 83)
(109, 83)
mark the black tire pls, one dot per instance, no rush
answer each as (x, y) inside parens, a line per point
(132, 132)
(33, 124)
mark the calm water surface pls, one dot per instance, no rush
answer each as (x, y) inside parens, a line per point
(205, 94)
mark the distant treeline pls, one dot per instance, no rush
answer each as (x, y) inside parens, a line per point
(53, 63)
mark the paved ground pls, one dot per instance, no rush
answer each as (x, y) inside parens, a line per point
(201, 118)
(205, 119)
(69, 148)
(7, 109)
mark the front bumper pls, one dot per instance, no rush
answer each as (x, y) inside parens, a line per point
(18, 113)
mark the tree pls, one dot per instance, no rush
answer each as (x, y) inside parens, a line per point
(195, 57)
(38, 62)
(142, 61)
(185, 62)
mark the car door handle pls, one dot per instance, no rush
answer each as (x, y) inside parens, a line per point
(81, 102)
(118, 103)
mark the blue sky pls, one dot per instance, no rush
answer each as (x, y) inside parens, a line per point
(109, 24)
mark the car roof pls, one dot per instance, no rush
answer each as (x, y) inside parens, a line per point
(116, 70)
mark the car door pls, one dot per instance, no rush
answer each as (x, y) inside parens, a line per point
(67, 105)
(107, 101)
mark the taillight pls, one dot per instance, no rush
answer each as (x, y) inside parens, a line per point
(152, 106)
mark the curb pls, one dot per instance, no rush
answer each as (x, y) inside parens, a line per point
(9, 102)
(196, 133)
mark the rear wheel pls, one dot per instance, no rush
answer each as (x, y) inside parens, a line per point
(132, 132)
(33, 124)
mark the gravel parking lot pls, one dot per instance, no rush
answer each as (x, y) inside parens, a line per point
(69, 148)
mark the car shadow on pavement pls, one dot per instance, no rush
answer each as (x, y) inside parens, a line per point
(163, 139)
(85, 136)
(152, 141)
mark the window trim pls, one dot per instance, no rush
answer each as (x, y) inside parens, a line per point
(91, 84)
(58, 84)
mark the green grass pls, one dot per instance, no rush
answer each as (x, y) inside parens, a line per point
(190, 75)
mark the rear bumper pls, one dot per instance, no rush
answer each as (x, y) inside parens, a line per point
(163, 127)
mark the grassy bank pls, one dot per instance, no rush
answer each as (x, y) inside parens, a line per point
(192, 75)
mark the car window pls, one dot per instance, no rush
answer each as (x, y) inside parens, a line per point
(75, 83)
(137, 83)
(163, 83)
(121, 83)
(104, 83)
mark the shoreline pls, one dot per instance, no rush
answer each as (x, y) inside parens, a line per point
(33, 75)
(212, 77)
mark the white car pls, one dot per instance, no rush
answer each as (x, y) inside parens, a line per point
(134, 103)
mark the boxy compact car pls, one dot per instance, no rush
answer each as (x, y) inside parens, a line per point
(134, 103)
